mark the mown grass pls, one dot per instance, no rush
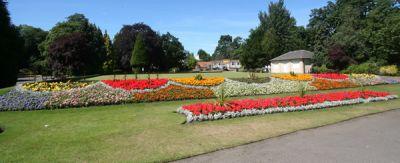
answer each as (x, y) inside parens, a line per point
(5, 90)
(148, 132)
(227, 74)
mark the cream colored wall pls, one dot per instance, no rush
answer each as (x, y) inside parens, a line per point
(296, 66)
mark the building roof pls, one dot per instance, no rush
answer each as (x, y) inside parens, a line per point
(298, 54)
(204, 64)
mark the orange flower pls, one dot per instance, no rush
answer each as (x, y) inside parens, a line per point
(298, 77)
(174, 92)
(210, 81)
(323, 84)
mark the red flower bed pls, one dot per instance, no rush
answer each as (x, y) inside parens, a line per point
(290, 101)
(331, 76)
(132, 84)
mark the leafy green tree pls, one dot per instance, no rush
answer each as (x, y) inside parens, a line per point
(110, 58)
(190, 61)
(32, 38)
(203, 55)
(139, 58)
(79, 23)
(226, 47)
(174, 52)
(10, 48)
(124, 42)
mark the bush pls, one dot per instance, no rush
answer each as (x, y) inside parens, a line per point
(364, 68)
(321, 69)
(389, 70)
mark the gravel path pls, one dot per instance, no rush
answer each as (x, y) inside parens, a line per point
(374, 138)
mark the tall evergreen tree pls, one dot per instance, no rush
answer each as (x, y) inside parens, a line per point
(110, 58)
(139, 58)
(10, 48)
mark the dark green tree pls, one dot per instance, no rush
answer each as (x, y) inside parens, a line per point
(79, 23)
(139, 58)
(31, 57)
(203, 55)
(11, 46)
(110, 58)
(190, 61)
(174, 52)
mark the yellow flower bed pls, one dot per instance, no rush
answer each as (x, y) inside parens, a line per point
(206, 81)
(363, 76)
(53, 86)
(297, 77)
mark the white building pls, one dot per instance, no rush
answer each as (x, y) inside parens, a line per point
(295, 61)
(226, 64)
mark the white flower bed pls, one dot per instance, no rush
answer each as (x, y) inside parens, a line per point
(236, 88)
(190, 117)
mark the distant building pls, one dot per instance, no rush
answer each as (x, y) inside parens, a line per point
(295, 61)
(203, 66)
(226, 64)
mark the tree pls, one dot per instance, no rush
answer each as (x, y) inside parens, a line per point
(139, 58)
(203, 55)
(190, 61)
(124, 42)
(31, 58)
(174, 52)
(70, 55)
(79, 23)
(110, 58)
(226, 47)
(10, 48)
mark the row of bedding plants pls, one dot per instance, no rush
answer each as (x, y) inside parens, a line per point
(49, 95)
(249, 107)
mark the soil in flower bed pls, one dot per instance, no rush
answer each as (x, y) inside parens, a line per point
(252, 80)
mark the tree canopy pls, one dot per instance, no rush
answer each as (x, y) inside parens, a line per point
(203, 55)
(226, 47)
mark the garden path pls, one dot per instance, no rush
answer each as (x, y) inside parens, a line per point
(374, 138)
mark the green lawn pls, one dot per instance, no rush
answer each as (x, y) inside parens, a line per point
(5, 90)
(149, 132)
(227, 74)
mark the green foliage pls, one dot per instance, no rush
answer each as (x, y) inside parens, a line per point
(302, 89)
(79, 23)
(203, 55)
(198, 77)
(321, 69)
(190, 61)
(276, 35)
(226, 47)
(31, 55)
(11, 46)
(174, 52)
(367, 67)
(110, 58)
(389, 70)
(367, 30)
(139, 57)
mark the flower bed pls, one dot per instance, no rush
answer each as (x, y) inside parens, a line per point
(334, 76)
(132, 84)
(174, 92)
(206, 81)
(53, 86)
(248, 107)
(324, 84)
(296, 77)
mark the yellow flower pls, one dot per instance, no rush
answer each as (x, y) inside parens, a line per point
(206, 81)
(298, 77)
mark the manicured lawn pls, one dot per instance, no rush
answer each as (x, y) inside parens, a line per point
(148, 132)
(5, 90)
(227, 74)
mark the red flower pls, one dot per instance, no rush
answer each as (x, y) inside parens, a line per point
(331, 76)
(132, 84)
(289, 101)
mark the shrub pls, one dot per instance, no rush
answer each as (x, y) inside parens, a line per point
(364, 68)
(388, 70)
(321, 69)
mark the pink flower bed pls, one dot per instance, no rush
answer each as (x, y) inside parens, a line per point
(335, 76)
(290, 101)
(132, 84)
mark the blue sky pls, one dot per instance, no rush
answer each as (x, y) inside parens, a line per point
(197, 24)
